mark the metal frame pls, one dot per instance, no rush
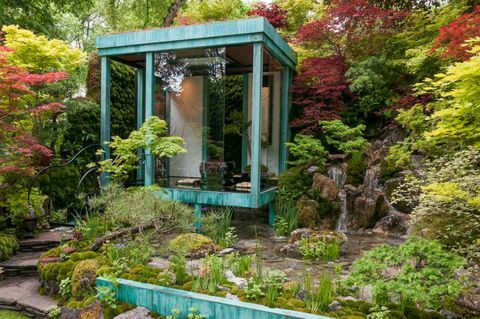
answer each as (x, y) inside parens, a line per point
(256, 31)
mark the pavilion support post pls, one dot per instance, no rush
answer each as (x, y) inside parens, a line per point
(271, 213)
(105, 111)
(198, 217)
(284, 117)
(245, 122)
(140, 91)
(256, 119)
(149, 111)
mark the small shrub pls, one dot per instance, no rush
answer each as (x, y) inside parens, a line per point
(319, 249)
(419, 272)
(65, 288)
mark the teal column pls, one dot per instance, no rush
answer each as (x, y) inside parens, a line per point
(271, 213)
(140, 88)
(105, 87)
(149, 110)
(244, 122)
(284, 118)
(256, 118)
(198, 216)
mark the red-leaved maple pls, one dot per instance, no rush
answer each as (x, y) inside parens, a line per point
(20, 150)
(271, 11)
(451, 40)
(320, 92)
(347, 25)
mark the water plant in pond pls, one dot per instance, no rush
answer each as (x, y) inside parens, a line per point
(318, 298)
(241, 264)
(287, 217)
(179, 267)
(319, 249)
(216, 224)
(210, 275)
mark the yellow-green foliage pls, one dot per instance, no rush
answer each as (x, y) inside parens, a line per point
(456, 113)
(83, 278)
(8, 246)
(190, 242)
(38, 54)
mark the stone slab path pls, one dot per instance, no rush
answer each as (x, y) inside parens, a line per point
(21, 264)
(46, 240)
(21, 294)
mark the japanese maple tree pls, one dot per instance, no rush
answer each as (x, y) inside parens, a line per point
(451, 41)
(20, 105)
(320, 92)
(271, 11)
(347, 25)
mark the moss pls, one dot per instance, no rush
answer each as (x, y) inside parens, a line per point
(8, 246)
(189, 243)
(83, 278)
(78, 256)
(365, 308)
(297, 303)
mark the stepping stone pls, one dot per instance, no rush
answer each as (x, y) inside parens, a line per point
(46, 240)
(21, 264)
(21, 294)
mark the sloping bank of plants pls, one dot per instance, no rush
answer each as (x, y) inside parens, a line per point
(408, 282)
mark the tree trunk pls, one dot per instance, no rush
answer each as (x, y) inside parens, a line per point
(172, 13)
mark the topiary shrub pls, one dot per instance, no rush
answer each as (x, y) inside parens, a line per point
(191, 244)
(8, 246)
(83, 279)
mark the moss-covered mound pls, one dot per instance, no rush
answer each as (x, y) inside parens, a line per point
(83, 278)
(192, 245)
(8, 246)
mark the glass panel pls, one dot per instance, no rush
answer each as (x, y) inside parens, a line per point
(271, 88)
(202, 93)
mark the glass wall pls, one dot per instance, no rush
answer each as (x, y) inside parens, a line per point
(205, 97)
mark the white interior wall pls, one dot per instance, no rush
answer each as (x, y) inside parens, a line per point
(186, 121)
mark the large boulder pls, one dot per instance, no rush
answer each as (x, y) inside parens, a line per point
(365, 207)
(396, 224)
(137, 313)
(308, 212)
(326, 186)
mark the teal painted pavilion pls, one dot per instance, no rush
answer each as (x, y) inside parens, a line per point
(223, 87)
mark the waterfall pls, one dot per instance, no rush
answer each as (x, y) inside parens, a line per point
(342, 219)
(338, 174)
(372, 177)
